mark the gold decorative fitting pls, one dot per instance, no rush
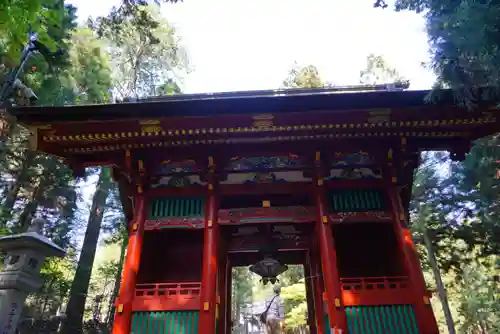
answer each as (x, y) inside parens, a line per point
(140, 164)
(320, 182)
(426, 300)
(389, 154)
(266, 204)
(210, 162)
(379, 116)
(148, 127)
(139, 189)
(325, 220)
(337, 302)
(119, 309)
(318, 156)
(135, 226)
(206, 306)
(124, 146)
(263, 122)
(394, 179)
(210, 187)
(149, 122)
(210, 223)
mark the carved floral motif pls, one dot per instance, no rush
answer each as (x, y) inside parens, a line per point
(169, 167)
(294, 214)
(343, 159)
(290, 161)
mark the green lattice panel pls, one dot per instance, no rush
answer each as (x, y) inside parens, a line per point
(388, 319)
(166, 322)
(168, 207)
(356, 200)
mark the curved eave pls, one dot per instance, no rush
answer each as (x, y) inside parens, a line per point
(232, 104)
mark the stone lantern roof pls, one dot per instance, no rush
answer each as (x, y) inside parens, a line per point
(32, 239)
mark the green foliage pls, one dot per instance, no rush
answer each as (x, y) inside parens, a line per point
(144, 65)
(378, 71)
(477, 295)
(464, 44)
(447, 212)
(303, 77)
(20, 17)
(130, 11)
(57, 275)
(90, 73)
(294, 298)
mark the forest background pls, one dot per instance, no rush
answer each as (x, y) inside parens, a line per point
(135, 53)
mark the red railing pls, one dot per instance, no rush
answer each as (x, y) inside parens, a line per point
(375, 291)
(167, 296)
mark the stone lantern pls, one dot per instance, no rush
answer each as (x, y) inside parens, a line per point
(25, 255)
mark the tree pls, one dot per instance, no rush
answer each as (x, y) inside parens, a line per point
(241, 290)
(429, 216)
(22, 17)
(464, 44)
(303, 77)
(477, 302)
(90, 73)
(377, 71)
(38, 184)
(294, 298)
(145, 65)
(76, 304)
(83, 76)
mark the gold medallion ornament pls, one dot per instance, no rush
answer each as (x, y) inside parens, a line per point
(263, 122)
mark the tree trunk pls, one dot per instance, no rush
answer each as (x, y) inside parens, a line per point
(439, 283)
(75, 309)
(116, 288)
(46, 298)
(30, 208)
(12, 193)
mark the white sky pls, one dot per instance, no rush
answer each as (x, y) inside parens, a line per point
(244, 45)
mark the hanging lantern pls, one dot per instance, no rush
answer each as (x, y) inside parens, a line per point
(269, 269)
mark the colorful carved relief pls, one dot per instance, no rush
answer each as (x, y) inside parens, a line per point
(342, 159)
(293, 214)
(169, 167)
(354, 173)
(177, 181)
(174, 222)
(271, 177)
(284, 236)
(290, 161)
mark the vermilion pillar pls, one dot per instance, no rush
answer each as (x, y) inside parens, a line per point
(317, 293)
(423, 310)
(331, 278)
(207, 319)
(123, 315)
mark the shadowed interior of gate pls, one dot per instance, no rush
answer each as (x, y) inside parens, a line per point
(367, 250)
(171, 255)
